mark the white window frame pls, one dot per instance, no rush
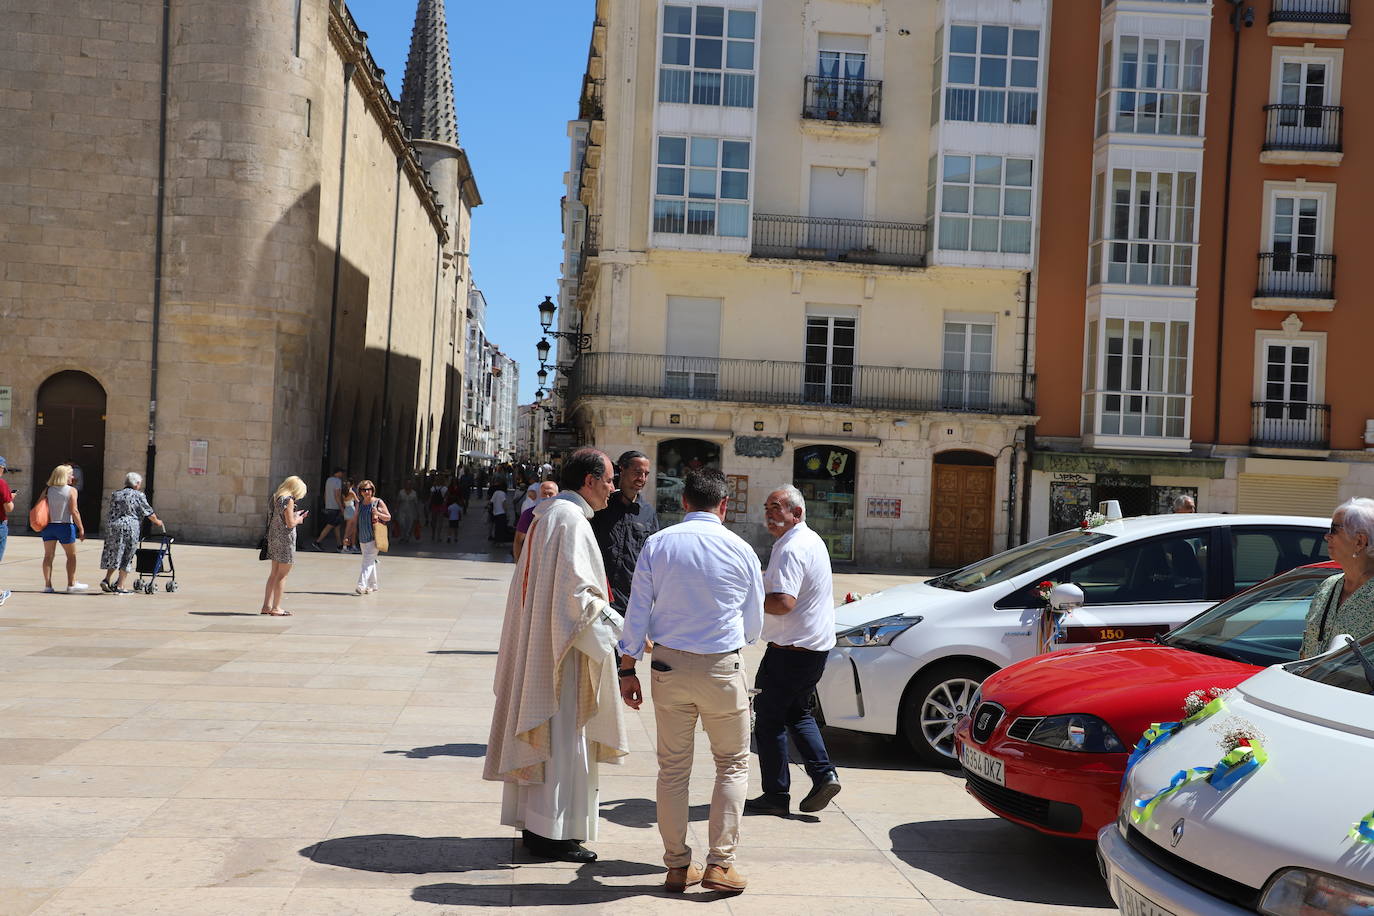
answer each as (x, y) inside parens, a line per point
(1301, 427)
(670, 74)
(1334, 58)
(962, 387)
(1314, 339)
(687, 199)
(1029, 96)
(1166, 403)
(970, 189)
(1112, 92)
(830, 314)
(1154, 257)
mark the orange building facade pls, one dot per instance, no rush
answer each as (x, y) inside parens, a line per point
(1203, 183)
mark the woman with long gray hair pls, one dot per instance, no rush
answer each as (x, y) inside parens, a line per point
(1344, 603)
(128, 507)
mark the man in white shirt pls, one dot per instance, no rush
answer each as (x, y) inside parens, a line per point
(698, 596)
(333, 510)
(800, 629)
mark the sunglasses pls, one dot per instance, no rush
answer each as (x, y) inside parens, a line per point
(1334, 528)
(365, 489)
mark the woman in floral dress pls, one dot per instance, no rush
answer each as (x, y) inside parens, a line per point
(128, 508)
(281, 541)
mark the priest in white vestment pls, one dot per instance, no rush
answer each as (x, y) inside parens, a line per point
(557, 712)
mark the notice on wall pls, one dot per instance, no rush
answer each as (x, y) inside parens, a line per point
(737, 485)
(884, 507)
(6, 404)
(199, 464)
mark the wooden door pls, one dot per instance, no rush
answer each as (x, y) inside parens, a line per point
(70, 427)
(961, 514)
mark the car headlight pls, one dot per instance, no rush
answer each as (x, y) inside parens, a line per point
(877, 632)
(1299, 892)
(1076, 732)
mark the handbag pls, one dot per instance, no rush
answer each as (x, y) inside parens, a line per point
(380, 533)
(262, 548)
(39, 515)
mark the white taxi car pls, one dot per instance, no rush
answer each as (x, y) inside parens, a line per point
(1292, 837)
(909, 659)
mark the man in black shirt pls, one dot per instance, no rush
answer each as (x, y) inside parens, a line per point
(624, 525)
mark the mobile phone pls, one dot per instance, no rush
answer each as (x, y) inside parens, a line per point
(657, 665)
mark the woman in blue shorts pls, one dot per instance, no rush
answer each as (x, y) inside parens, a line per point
(64, 527)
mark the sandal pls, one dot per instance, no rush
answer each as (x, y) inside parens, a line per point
(278, 612)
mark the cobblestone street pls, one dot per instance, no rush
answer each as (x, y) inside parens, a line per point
(180, 754)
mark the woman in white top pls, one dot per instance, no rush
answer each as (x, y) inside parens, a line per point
(64, 527)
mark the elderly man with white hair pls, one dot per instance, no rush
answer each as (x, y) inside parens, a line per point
(128, 507)
(799, 624)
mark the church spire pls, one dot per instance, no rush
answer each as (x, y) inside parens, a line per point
(427, 107)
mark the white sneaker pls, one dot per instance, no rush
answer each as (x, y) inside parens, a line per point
(5, 595)
(370, 590)
(77, 587)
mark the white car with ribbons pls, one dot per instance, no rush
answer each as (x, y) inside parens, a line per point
(1261, 802)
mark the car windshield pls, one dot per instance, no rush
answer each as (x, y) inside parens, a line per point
(1260, 626)
(1014, 562)
(1344, 669)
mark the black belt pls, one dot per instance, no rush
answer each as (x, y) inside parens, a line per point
(773, 645)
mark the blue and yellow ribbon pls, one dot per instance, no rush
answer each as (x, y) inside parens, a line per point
(1159, 732)
(1143, 808)
(1363, 832)
(1236, 765)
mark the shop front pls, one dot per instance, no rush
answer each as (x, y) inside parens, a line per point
(825, 475)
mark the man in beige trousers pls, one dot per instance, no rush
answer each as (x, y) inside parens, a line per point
(698, 596)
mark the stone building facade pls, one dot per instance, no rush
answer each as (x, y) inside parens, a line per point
(802, 255)
(261, 277)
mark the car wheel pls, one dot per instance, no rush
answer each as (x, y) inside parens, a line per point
(934, 703)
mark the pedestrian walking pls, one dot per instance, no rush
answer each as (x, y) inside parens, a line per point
(546, 490)
(64, 527)
(624, 525)
(556, 715)
(799, 625)
(465, 487)
(455, 515)
(698, 596)
(348, 498)
(500, 527)
(333, 511)
(128, 507)
(6, 507)
(363, 532)
(408, 513)
(282, 521)
(438, 510)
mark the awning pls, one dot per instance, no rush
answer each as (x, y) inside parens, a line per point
(473, 453)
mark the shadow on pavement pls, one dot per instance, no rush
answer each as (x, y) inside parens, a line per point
(444, 750)
(864, 751)
(1030, 867)
(399, 854)
(463, 652)
(223, 614)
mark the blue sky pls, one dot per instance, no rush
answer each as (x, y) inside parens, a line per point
(517, 71)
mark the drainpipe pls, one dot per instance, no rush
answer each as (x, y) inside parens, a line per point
(434, 332)
(150, 462)
(327, 454)
(390, 312)
(1237, 17)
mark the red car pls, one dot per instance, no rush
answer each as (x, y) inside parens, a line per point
(1047, 742)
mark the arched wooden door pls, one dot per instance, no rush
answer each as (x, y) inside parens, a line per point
(69, 428)
(961, 507)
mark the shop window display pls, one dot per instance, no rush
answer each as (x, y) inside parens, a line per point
(825, 474)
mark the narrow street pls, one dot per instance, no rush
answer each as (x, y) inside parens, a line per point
(179, 753)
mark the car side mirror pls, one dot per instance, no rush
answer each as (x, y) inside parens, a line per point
(1066, 597)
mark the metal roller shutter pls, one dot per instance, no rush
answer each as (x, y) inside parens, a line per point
(1278, 495)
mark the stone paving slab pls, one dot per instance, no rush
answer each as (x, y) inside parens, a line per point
(182, 754)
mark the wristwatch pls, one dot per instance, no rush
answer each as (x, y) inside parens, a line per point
(626, 672)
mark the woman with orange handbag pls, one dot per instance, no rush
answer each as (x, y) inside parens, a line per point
(367, 529)
(62, 526)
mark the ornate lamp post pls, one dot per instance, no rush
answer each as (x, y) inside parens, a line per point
(578, 339)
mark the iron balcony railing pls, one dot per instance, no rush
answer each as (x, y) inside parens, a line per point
(859, 241)
(1288, 275)
(1290, 424)
(835, 98)
(591, 244)
(1334, 11)
(770, 382)
(1305, 128)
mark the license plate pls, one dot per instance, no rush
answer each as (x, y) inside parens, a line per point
(980, 764)
(1133, 903)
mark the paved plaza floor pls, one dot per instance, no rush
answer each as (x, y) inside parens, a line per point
(181, 754)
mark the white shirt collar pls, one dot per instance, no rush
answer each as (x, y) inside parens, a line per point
(702, 516)
(576, 499)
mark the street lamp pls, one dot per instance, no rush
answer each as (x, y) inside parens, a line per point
(542, 375)
(543, 348)
(577, 338)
